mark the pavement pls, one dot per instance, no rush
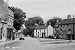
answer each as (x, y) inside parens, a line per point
(4, 43)
(42, 40)
(55, 41)
(38, 44)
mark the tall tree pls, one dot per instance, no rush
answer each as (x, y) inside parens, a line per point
(19, 17)
(54, 21)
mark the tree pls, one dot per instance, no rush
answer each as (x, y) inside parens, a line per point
(32, 22)
(54, 21)
(19, 17)
(25, 32)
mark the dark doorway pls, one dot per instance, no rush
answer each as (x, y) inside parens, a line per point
(43, 35)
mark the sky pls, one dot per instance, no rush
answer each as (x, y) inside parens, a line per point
(47, 9)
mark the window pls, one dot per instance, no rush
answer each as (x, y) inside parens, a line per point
(69, 29)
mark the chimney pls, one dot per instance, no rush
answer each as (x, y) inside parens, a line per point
(68, 16)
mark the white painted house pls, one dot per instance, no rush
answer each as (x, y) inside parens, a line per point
(49, 31)
(43, 31)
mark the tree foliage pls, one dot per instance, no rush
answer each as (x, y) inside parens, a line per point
(31, 22)
(19, 17)
(54, 21)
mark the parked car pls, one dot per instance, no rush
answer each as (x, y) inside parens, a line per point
(51, 37)
(21, 39)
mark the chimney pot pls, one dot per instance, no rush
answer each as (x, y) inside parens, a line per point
(69, 16)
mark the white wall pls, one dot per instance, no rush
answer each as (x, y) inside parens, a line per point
(4, 32)
(46, 31)
(50, 30)
(38, 33)
(42, 30)
(35, 32)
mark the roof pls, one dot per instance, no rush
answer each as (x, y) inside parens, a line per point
(56, 25)
(68, 21)
(40, 27)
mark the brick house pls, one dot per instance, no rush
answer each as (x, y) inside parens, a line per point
(66, 28)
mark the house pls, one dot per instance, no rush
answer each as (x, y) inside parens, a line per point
(43, 31)
(6, 22)
(49, 31)
(39, 31)
(66, 28)
(10, 28)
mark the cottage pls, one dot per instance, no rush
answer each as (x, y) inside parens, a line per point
(39, 31)
(43, 31)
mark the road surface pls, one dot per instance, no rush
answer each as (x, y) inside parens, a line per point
(35, 44)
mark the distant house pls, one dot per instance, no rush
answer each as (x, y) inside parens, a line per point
(49, 31)
(67, 28)
(43, 31)
(39, 31)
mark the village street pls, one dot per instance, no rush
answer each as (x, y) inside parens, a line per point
(37, 44)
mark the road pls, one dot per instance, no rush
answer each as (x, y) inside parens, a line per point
(35, 44)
